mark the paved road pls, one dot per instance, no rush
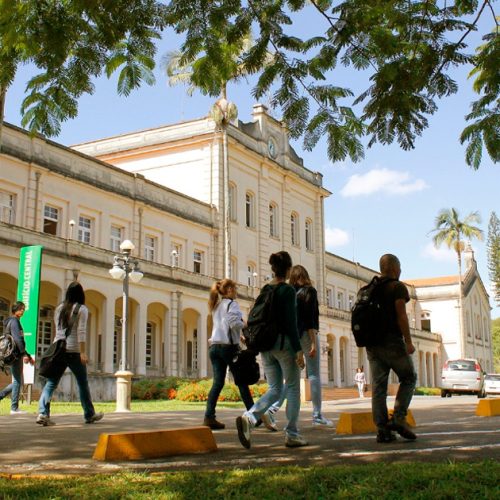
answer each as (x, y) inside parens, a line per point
(447, 430)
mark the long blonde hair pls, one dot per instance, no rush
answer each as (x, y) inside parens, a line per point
(300, 275)
(219, 288)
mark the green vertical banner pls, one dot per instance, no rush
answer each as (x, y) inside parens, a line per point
(28, 291)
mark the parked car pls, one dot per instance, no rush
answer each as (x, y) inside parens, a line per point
(492, 383)
(462, 376)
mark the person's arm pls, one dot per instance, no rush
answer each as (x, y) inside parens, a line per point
(82, 333)
(403, 324)
(17, 334)
(311, 314)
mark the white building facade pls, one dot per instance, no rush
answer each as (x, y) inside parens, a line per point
(164, 190)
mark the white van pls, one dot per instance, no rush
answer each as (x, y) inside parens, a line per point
(462, 376)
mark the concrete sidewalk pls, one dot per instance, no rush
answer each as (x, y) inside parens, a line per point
(447, 428)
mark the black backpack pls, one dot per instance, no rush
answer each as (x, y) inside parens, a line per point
(262, 330)
(369, 320)
(8, 348)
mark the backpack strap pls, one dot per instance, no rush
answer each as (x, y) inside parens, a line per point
(229, 329)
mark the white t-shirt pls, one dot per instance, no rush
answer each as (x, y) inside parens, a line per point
(78, 332)
(227, 317)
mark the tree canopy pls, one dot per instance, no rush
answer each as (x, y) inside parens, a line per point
(493, 250)
(406, 50)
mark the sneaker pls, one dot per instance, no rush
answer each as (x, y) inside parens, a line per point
(243, 425)
(295, 441)
(44, 420)
(385, 436)
(94, 418)
(322, 421)
(213, 423)
(402, 428)
(269, 422)
(18, 412)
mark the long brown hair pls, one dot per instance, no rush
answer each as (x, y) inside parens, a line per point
(219, 288)
(299, 274)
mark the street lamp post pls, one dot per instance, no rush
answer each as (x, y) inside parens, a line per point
(125, 268)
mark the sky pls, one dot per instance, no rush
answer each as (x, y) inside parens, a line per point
(387, 203)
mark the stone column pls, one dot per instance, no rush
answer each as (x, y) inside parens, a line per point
(140, 335)
(108, 334)
(336, 353)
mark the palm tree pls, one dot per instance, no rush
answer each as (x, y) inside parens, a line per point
(452, 231)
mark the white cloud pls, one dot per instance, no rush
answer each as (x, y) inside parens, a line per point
(335, 237)
(441, 254)
(382, 180)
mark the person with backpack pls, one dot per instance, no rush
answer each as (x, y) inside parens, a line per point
(12, 325)
(284, 359)
(227, 320)
(392, 350)
(308, 326)
(71, 313)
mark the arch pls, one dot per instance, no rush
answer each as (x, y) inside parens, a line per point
(330, 352)
(343, 361)
(190, 349)
(157, 339)
(95, 302)
(428, 369)
(130, 356)
(5, 306)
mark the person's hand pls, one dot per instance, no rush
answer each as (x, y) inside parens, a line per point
(410, 348)
(83, 358)
(312, 351)
(28, 359)
(300, 360)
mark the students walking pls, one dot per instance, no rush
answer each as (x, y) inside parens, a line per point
(75, 357)
(13, 325)
(308, 326)
(224, 342)
(282, 362)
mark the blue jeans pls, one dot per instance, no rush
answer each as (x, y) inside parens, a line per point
(221, 356)
(382, 359)
(80, 372)
(16, 370)
(280, 365)
(313, 374)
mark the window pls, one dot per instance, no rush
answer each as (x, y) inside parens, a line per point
(150, 246)
(425, 321)
(116, 237)
(150, 339)
(249, 210)
(252, 275)
(7, 207)
(308, 235)
(467, 322)
(84, 229)
(117, 336)
(45, 323)
(50, 219)
(329, 297)
(273, 220)
(351, 301)
(175, 254)
(4, 312)
(232, 203)
(294, 229)
(197, 261)
(234, 269)
(340, 300)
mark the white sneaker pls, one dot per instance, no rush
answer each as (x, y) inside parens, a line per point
(243, 425)
(44, 420)
(18, 412)
(295, 441)
(322, 421)
(269, 422)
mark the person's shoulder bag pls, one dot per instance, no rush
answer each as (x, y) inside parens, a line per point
(53, 360)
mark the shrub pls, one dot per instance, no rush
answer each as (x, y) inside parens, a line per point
(427, 391)
(194, 391)
(156, 388)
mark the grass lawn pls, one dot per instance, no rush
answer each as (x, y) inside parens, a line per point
(109, 407)
(414, 481)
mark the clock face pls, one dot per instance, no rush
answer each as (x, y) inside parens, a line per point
(271, 147)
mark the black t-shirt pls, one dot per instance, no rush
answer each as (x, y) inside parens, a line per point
(307, 308)
(392, 291)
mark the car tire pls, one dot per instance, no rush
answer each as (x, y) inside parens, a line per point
(443, 394)
(481, 395)
(448, 394)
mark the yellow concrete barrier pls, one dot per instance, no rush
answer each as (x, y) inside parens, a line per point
(154, 444)
(488, 407)
(361, 422)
